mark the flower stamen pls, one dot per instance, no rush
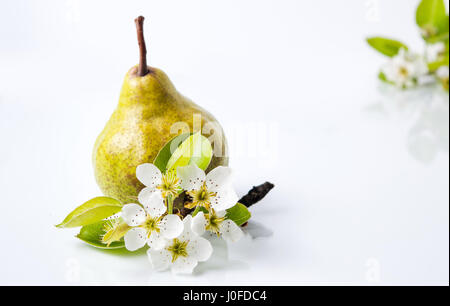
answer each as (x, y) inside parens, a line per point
(178, 249)
(170, 185)
(201, 197)
(214, 222)
(151, 225)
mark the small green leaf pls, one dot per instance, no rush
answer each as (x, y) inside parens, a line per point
(194, 150)
(388, 47)
(239, 214)
(383, 78)
(93, 234)
(92, 211)
(166, 152)
(432, 18)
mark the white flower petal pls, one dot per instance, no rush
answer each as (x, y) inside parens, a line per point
(155, 206)
(187, 233)
(191, 177)
(199, 223)
(156, 241)
(221, 213)
(146, 193)
(200, 249)
(219, 178)
(224, 199)
(230, 231)
(160, 260)
(149, 175)
(135, 238)
(133, 214)
(184, 265)
(434, 51)
(171, 226)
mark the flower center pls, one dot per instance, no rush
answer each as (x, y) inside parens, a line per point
(178, 249)
(403, 71)
(169, 185)
(151, 225)
(214, 223)
(201, 197)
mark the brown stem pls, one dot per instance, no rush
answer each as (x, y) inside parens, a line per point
(256, 194)
(142, 69)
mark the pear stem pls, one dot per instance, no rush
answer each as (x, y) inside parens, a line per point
(142, 69)
(169, 205)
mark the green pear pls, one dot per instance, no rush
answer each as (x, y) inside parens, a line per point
(150, 113)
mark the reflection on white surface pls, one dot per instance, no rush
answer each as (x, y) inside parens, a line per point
(220, 259)
(425, 113)
(256, 230)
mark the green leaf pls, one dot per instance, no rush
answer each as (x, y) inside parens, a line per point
(93, 234)
(166, 152)
(92, 211)
(432, 18)
(194, 150)
(239, 214)
(383, 78)
(388, 47)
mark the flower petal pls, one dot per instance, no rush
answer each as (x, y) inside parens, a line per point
(135, 238)
(219, 178)
(155, 206)
(146, 193)
(160, 260)
(230, 231)
(184, 265)
(200, 249)
(191, 177)
(187, 233)
(149, 175)
(156, 241)
(171, 226)
(224, 199)
(199, 223)
(133, 214)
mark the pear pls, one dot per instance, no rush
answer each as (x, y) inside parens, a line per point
(150, 109)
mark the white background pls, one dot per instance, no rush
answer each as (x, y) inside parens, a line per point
(361, 170)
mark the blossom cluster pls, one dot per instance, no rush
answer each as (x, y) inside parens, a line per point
(407, 69)
(174, 235)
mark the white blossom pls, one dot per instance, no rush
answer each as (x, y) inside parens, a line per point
(405, 69)
(150, 226)
(183, 253)
(214, 190)
(217, 223)
(434, 52)
(156, 182)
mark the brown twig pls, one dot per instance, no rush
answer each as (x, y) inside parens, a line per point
(256, 194)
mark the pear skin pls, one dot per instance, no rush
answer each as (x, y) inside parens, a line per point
(141, 125)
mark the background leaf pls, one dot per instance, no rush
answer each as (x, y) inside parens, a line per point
(92, 211)
(92, 234)
(432, 18)
(383, 78)
(386, 46)
(194, 150)
(239, 214)
(166, 152)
